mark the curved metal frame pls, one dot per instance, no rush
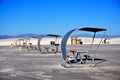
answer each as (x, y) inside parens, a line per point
(64, 42)
(39, 40)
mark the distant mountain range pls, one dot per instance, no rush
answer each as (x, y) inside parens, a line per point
(29, 35)
(20, 36)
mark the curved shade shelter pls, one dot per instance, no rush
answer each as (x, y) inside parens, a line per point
(40, 38)
(66, 36)
(19, 42)
(56, 41)
(26, 42)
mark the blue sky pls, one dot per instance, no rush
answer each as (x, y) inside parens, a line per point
(58, 16)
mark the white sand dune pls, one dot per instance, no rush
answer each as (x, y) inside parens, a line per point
(46, 41)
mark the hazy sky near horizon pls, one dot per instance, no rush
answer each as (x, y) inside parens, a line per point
(58, 16)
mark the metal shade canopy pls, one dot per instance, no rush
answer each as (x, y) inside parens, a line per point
(54, 35)
(91, 29)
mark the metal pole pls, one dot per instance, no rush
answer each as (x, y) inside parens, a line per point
(93, 59)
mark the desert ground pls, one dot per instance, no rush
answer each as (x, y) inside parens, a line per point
(32, 65)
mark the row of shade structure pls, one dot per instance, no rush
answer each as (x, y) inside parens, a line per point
(27, 43)
(78, 56)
